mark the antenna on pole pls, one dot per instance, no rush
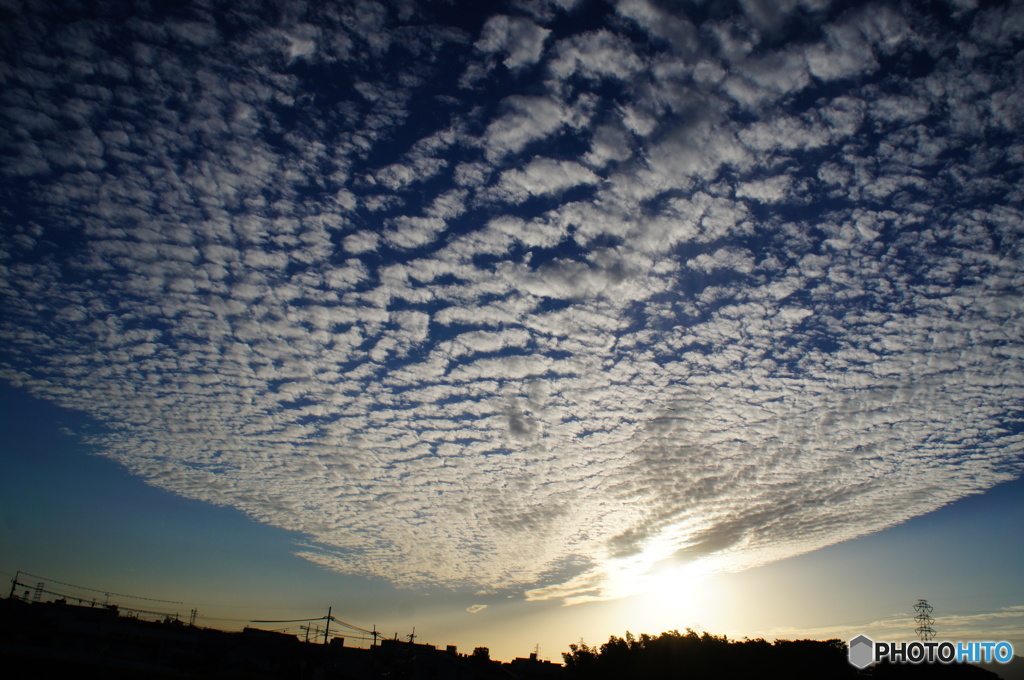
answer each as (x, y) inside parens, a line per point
(924, 621)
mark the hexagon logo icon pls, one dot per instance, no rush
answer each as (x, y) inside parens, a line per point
(861, 651)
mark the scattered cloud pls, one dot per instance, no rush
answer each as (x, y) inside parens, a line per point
(674, 289)
(1000, 624)
(542, 176)
(517, 39)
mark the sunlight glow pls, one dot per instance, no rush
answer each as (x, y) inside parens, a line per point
(680, 597)
(660, 588)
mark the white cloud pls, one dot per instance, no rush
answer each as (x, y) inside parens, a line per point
(610, 143)
(541, 176)
(471, 174)
(528, 118)
(769, 190)
(400, 175)
(594, 55)
(314, 306)
(661, 23)
(724, 258)
(520, 40)
(413, 232)
(361, 242)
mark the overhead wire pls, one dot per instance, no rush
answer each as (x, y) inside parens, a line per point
(93, 590)
(44, 580)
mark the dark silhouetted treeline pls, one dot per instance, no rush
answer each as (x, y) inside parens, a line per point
(695, 656)
(61, 640)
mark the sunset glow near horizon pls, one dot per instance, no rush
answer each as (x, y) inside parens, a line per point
(518, 316)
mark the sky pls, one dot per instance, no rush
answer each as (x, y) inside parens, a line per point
(518, 322)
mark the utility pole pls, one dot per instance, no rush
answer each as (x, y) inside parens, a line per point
(314, 629)
(327, 628)
(14, 584)
(924, 621)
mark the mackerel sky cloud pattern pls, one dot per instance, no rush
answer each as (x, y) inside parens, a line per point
(542, 300)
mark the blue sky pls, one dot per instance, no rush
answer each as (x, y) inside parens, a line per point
(502, 319)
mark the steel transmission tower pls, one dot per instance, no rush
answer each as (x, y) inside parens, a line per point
(924, 621)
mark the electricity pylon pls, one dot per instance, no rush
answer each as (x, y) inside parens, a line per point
(924, 621)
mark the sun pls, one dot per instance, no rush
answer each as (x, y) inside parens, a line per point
(678, 597)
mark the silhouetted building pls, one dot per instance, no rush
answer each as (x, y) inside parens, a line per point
(535, 669)
(56, 639)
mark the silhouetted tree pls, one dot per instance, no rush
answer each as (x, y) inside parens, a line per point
(694, 656)
(703, 655)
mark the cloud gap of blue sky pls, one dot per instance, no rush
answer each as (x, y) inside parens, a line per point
(483, 297)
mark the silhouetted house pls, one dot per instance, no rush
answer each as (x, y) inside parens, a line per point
(399, 659)
(56, 638)
(59, 640)
(535, 669)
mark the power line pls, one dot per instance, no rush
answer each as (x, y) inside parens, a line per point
(39, 589)
(320, 618)
(221, 618)
(93, 590)
(327, 628)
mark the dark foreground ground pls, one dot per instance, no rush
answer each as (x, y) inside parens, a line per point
(61, 640)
